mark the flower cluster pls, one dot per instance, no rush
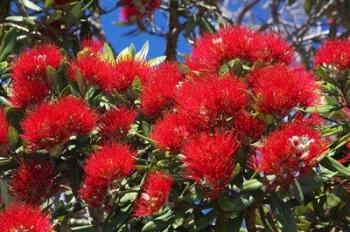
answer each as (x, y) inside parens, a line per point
(115, 123)
(112, 162)
(4, 128)
(335, 53)
(51, 124)
(158, 93)
(290, 151)
(209, 160)
(134, 10)
(213, 50)
(279, 89)
(211, 112)
(33, 182)
(30, 81)
(19, 217)
(155, 193)
(91, 66)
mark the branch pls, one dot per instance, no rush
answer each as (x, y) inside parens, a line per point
(173, 32)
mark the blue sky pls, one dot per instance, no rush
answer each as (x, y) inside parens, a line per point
(115, 34)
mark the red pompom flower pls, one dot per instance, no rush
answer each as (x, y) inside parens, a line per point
(19, 217)
(248, 126)
(112, 162)
(171, 132)
(211, 51)
(132, 11)
(279, 89)
(52, 124)
(33, 182)
(155, 193)
(159, 91)
(116, 123)
(207, 103)
(290, 151)
(335, 53)
(209, 160)
(29, 74)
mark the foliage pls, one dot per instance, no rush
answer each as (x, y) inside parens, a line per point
(238, 136)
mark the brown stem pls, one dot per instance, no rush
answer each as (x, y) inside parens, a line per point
(250, 220)
(97, 216)
(174, 30)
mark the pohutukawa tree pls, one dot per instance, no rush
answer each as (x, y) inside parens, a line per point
(236, 136)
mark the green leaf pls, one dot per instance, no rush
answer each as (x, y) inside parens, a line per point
(13, 138)
(156, 61)
(237, 203)
(76, 12)
(108, 53)
(30, 5)
(142, 54)
(283, 214)
(116, 219)
(334, 165)
(8, 44)
(153, 226)
(128, 197)
(48, 3)
(298, 192)
(125, 54)
(4, 192)
(252, 185)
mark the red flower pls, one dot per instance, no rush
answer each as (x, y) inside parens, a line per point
(290, 151)
(155, 193)
(4, 128)
(248, 126)
(112, 162)
(33, 182)
(132, 11)
(209, 161)
(158, 92)
(94, 45)
(171, 132)
(208, 103)
(94, 71)
(279, 89)
(211, 51)
(29, 74)
(53, 124)
(115, 123)
(335, 53)
(270, 48)
(127, 71)
(20, 217)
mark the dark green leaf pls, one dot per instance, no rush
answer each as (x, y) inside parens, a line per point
(283, 214)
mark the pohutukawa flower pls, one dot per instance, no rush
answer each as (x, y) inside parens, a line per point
(248, 126)
(334, 53)
(171, 132)
(290, 152)
(211, 51)
(20, 217)
(159, 91)
(113, 162)
(209, 160)
(115, 123)
(207, 103)
(94, 45)
(155, 193)
(33, 182)
(52, 124)
(4, 129)
(29, 74)
(279, 89)
(127, 71)
(93, 70)
(131, 12)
